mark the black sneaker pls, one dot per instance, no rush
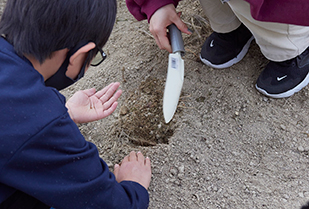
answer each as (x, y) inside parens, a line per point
(283, 79)
(222, 50)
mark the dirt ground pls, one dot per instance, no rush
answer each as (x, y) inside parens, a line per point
(227, 146)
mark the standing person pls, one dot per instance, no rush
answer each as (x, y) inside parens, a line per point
(44, 159)
(235, 24)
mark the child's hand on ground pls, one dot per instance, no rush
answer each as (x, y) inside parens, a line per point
(89, 105)
(134, 167)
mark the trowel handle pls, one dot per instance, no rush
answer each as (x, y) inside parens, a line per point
(176, 39)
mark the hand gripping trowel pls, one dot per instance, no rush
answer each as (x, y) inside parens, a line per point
(175, 74)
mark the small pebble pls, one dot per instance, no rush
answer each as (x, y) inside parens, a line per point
(123, 110)
(181, 169)
(301, 148)
(173, 171)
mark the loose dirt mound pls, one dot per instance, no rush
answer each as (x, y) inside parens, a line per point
(141, 117)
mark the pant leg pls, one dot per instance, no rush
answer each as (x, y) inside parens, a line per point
(278, 42)
(222, 19)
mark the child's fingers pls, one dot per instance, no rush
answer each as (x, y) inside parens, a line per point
(109, 102)
(132, 156)
(89, 92)
(140, 158)
(110, 93)
(103, 91)
(125, 159)
(147, 161)
(108, 111)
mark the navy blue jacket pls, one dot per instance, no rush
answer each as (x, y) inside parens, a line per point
(43, 153)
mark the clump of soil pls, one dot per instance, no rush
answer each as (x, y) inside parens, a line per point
(141, 116)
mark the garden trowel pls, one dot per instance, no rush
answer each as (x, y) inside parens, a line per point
(175, 74)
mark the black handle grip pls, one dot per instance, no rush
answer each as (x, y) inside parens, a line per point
(176, 39)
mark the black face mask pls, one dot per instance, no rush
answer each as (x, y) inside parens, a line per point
(59, 80)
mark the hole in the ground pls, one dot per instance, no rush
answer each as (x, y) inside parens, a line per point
(141, 115)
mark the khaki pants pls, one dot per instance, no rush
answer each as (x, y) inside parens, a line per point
(278, 42)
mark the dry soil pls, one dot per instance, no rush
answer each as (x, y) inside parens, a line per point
(227, 146)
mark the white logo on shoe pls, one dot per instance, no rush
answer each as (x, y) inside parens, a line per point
(280, 78)
(212, 43)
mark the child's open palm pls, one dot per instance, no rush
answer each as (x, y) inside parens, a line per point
(89, 105)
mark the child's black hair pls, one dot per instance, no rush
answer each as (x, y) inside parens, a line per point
(40, 27)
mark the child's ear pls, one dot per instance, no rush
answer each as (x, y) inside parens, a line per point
(83, 50)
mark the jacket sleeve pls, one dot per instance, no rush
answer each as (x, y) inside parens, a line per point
(58, 167)
(144, 9)
(284, 11)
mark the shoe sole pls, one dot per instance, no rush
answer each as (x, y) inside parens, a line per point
(239, 57)
(288, 93)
